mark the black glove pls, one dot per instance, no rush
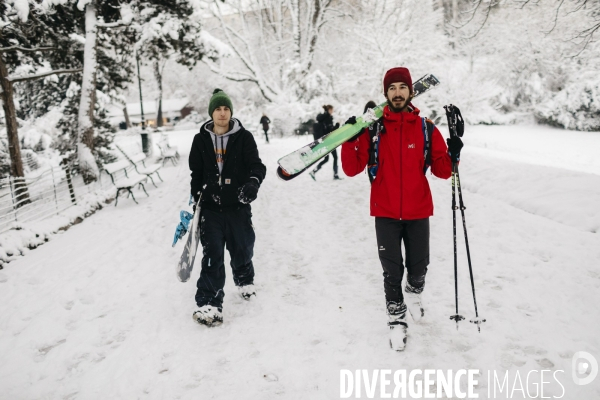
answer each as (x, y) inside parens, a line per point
(337, 125)
(454, 146)
(352, 121)
(196, 197)
(248, 192)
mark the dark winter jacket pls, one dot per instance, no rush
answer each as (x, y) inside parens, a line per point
(265, 121)
(326, 126)
(400, 190)
(241, 162)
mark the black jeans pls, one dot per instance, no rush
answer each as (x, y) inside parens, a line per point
(415, 235)
(266, 135)
(219, 230)
(335, 164)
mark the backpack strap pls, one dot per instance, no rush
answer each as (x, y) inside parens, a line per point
(375, 130)
(428, 127)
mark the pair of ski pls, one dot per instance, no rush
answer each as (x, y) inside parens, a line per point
(293, 164)
(290, 167)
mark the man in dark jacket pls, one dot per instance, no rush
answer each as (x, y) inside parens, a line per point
(401, 200)
(228, 172)
(322, 127)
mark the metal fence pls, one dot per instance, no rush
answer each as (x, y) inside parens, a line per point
(48, 192)
(52, 190)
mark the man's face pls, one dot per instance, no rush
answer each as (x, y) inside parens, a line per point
(221, 116)
(398, 96)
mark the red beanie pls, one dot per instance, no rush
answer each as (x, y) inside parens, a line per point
(398, 74)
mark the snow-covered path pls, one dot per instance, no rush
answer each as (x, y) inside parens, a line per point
(98, 312)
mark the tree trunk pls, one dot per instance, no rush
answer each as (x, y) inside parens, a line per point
(85, 129)
(10, 116)
(158, 76)
(454, 10)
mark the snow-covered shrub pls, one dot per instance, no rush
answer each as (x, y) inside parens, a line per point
(577, 106)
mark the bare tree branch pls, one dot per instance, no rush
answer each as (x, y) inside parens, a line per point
(25, 49)
(116, 24)
(555, 17)
(23, 78)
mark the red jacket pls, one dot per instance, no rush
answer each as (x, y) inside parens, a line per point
(400, 190)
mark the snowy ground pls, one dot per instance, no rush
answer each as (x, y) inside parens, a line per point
(98, 312)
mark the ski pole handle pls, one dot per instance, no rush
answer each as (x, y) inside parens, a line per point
(456, 124)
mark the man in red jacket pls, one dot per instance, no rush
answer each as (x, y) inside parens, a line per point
(400, 196)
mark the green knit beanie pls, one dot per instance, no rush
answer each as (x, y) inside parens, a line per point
(218, 99)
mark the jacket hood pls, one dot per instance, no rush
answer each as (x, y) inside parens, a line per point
(234, 126)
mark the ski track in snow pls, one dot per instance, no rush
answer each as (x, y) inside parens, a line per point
(99, 313)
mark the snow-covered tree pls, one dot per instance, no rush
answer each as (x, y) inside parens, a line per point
(274, 43)
(27, 48)
(166, 32)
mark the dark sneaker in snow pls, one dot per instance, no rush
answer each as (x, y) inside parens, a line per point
(247, 292)
(336, 178)
(412, 297)
(208, 315)
(398, 326)
(312, 175)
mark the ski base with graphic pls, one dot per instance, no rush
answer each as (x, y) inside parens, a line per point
(186, 262)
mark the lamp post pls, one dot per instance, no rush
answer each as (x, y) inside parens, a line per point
(145, 147)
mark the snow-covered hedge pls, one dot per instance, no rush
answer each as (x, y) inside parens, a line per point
(577, 106)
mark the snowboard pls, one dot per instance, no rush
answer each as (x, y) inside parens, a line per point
(186, 262)
(293, 164)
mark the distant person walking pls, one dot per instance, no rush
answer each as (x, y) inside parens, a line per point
(265, 121)
(322, 127)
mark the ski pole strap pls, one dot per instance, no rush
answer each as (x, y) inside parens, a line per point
(374, 131)
(427, 127)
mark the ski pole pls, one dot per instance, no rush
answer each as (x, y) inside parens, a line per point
(451, 117)
(456, 317)
(478, 321)
(456, 127)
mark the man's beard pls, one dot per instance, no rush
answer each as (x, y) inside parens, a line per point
(400, 109)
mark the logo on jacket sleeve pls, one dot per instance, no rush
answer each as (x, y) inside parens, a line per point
(411, 146)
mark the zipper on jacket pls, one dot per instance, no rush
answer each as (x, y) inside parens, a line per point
(401, 152)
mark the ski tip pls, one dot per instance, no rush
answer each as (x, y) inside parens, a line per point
(284, 175)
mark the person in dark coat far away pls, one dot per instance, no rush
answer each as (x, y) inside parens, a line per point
(322, 127)
(265, 121)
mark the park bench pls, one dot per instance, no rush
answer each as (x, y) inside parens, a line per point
(124, 176)
(138, 162)
(168, 153)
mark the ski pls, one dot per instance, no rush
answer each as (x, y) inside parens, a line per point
(293, 164)
(186, 262)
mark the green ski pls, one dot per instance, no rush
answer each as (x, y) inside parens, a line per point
(293, 164)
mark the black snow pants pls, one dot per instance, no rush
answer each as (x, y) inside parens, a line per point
(219, 230)
(335, 163)
(266, 135)
(415, 235)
